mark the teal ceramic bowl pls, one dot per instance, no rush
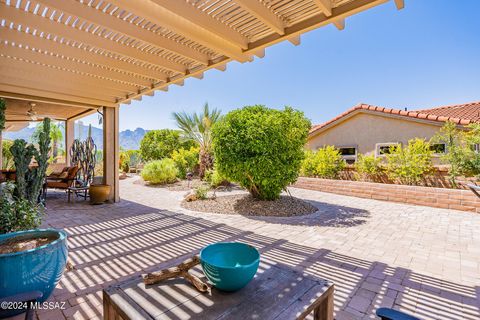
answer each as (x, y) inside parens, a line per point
(229, 266)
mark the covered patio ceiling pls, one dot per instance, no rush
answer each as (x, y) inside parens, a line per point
(91, 53)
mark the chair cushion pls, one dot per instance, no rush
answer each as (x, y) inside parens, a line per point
(72, 172)
(57, 184)
(63, 175)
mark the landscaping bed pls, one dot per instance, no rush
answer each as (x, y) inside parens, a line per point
(245, 204)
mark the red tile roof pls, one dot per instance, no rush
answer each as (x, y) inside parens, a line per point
(462, 114)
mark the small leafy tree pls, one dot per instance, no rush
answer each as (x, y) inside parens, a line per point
(261, 148)
(471, 162)
(198, 128)
(325, 163)
(457, 150)
(186, 161)
(368, 167)
(159, 144)
(410, 164)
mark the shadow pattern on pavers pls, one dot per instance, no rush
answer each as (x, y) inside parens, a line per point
(327, 215)
(111, 243)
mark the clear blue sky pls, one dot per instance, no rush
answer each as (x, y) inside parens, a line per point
(425, 55)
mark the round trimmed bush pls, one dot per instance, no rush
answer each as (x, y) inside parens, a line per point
(160, 171)
(261, 148)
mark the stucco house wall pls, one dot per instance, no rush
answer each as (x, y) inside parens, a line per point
(365, 130)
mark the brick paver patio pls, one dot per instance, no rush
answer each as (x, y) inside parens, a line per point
(421, 260)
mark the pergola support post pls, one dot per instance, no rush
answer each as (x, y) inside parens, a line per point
(69, 137)
(111, 151)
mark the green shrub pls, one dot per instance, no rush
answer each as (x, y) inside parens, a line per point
(325, 163)
(368, 167)
(201, 192)
(159, 144)
(160, 171)
(457, 147)
(410, 164)
(129, 159)
(260, 148)
(186, 160)
(214, 178)
(17, 214)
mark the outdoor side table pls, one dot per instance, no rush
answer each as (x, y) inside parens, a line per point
(77, 190)
(276, 292)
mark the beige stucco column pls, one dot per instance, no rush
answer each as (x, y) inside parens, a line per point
(69, 137)
(111, 151)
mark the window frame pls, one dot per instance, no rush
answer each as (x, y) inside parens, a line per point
(384, 144)
(440, 154)
(349, 157)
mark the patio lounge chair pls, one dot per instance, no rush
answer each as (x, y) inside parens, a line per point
(391, 314)
(62, 180)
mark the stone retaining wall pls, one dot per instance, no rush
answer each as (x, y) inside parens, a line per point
(456, 199)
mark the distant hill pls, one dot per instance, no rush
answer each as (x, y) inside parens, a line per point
(129, 140)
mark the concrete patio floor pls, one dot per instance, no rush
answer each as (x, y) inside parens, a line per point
(422, 260)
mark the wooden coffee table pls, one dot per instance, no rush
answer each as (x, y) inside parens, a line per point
(276, 292)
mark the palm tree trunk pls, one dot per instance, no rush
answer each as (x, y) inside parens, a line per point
(206, 162)
(54, 151)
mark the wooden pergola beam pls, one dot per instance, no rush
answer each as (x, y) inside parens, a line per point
(24, 18)
(21, 79)
(91, 14)
(262, 13)
(319, 20)
(8, 90)
(32, 55)
(48, 45)
(219, 64)
(36, 70)
(325, 6)
(340, 24)
(203, 20)
(175, 20)
(33, 98)
(400, 4)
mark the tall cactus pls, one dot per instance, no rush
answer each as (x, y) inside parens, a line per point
(3, 107)
(30, 180)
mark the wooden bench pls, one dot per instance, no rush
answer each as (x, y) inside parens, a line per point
(276, 292)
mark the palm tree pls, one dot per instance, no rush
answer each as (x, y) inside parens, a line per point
(198, 127)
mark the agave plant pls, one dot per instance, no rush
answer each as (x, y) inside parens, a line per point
(198, 127)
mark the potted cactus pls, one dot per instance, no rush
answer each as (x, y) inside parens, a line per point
(31, 260)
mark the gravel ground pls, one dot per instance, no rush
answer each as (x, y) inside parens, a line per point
(244, 204)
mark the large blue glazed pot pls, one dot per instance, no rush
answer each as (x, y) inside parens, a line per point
(38, 269)
(229, 266)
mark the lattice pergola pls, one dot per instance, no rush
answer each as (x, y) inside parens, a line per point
(65, 59)
(91, 53)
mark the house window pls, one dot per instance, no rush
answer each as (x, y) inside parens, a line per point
(381, 149)
(349, 154)
(438, 148)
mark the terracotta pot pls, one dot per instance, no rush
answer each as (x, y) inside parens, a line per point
(99, 193)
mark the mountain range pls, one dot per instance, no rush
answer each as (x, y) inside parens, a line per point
(129, 139)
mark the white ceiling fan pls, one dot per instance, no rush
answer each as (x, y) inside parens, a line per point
(31, 113)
